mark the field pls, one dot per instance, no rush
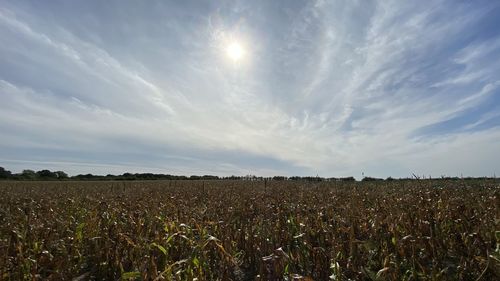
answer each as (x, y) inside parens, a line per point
(250, 230)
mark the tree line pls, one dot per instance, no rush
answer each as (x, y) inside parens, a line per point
(61, 175)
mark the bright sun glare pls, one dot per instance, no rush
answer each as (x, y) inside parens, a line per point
(235, 51)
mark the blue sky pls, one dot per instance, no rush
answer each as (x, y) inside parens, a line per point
(334, 88)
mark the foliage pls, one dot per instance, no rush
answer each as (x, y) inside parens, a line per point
(250, 230)
(46, 174)
(61, 175)
(5, 174)
(28, 174)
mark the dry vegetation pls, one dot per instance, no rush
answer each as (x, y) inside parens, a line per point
(242, 230)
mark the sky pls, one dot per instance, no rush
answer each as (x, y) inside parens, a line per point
(328, 88)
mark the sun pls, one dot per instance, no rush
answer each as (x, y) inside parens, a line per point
(235, 51)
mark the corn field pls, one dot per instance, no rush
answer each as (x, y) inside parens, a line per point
(250, 230)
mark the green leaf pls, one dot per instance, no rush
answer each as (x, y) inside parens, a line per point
(196, 262)
(131, 275)
(160, 247)
(170, 238)
(79, 231)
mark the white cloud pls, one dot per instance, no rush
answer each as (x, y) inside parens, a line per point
(335, 88)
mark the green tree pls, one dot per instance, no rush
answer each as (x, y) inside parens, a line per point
(46, 174)
(5, 174)
(29, 174)
(61, 175)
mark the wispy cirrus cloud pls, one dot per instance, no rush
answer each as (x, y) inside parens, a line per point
(333, 88)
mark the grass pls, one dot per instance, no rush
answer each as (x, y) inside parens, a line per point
(248, 230)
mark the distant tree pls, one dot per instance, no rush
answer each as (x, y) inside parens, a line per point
(209, 177)
(46, 174)
(29, 174)
(146, 176)
(312, 179)
(84, 177)
(371, 179)
(61, 175)
(5, 174)
(348, 179)
(128, 176)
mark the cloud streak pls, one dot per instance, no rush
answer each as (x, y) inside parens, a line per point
(334, 88)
